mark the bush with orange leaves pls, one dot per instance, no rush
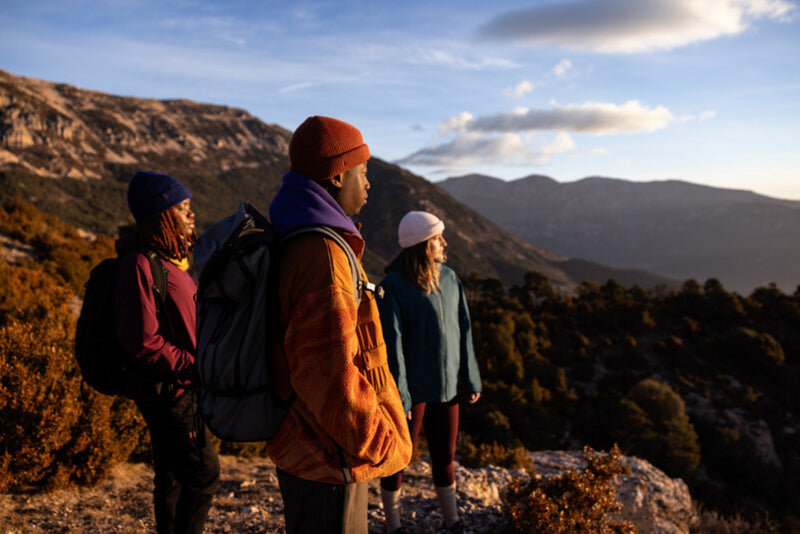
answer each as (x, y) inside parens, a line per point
(572, 503)
(59, 250)
(54, 430)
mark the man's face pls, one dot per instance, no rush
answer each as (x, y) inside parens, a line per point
(353, 186)
(185, 216)
(436, 248)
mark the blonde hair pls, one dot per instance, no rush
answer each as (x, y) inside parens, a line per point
(166, 234)
(418, 266)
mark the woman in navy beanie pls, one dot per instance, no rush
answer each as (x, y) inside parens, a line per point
(158, 333)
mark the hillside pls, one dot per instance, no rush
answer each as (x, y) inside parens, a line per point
(700, 382)
(675, 228)
(71, 151)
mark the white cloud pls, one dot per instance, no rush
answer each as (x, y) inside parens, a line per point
(499, 138)
(456, 123)
(707, 115)
(592, 117)
(296, 87)
(453, 59)
(562, 144)
(521, 89)
(633, 26)
(703, 117)
(466, 150)
(562, 69)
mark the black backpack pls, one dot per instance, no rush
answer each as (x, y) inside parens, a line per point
(104, 364)
(238, 323)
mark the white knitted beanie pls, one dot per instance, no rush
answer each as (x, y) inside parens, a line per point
(418, 226)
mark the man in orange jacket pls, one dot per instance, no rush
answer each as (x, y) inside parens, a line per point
(346, 424)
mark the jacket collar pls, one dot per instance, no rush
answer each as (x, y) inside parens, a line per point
(303, 202)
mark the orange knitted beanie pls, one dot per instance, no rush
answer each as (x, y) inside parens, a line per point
(323, 147)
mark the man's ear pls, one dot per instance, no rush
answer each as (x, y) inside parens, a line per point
(336, 181)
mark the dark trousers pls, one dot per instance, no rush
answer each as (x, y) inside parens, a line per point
(440, 420)
(318, 508)
(186, 468)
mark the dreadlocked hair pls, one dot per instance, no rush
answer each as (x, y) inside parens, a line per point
(418, 266)
(165, 233)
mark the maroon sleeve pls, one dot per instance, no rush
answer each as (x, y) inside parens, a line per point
(166, 349)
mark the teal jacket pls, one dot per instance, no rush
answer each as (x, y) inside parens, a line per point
(429, 339)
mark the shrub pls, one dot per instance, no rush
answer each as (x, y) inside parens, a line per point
(712, 522)
(573, 503)
(485, 454)
(59, 249)
(653, 424)
(54, 431)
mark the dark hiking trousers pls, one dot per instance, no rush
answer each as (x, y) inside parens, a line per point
(318, 508)
(440, 420)
(186, 469)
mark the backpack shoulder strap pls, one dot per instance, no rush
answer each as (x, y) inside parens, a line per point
(355, 267)
(160, 274)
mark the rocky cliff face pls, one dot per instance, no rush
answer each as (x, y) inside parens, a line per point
(57, 130)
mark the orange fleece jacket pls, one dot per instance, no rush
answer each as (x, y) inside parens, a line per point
(334, 359)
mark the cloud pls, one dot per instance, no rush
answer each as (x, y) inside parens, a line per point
(562, 144)
(707, 115)
(453, 59)
(593, 117)
(467, 150)
(562, 69)
(632, 26)
(702, 117)
(521, 89)
(511, 137)
(456, 123)
(296, 87)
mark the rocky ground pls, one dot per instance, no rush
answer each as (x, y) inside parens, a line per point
(249, 500)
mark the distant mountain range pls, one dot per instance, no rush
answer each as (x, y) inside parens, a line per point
(675, 228)
(71, 152)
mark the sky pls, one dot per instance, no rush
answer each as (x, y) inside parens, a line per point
(705, 91)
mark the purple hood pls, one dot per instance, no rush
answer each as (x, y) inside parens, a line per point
(303, 202)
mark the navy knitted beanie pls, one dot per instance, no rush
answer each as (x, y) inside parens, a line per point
(150, 194)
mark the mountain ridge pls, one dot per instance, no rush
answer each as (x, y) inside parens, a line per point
(673, 227)
(71, 151)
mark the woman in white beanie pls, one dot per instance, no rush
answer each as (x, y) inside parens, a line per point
(428, 335)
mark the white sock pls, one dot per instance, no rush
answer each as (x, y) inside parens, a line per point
(391, 510)
(447, 501)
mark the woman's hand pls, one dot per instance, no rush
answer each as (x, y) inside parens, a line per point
(474, 398)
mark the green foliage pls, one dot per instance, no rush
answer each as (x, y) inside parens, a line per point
(95, 205)
(607, 365)
(652, 423)
(573, 503)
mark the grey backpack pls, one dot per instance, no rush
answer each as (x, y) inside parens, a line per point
(238, 323)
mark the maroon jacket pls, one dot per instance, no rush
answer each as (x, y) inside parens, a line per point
(168, 350)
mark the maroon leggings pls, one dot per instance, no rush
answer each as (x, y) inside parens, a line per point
(440, 420)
